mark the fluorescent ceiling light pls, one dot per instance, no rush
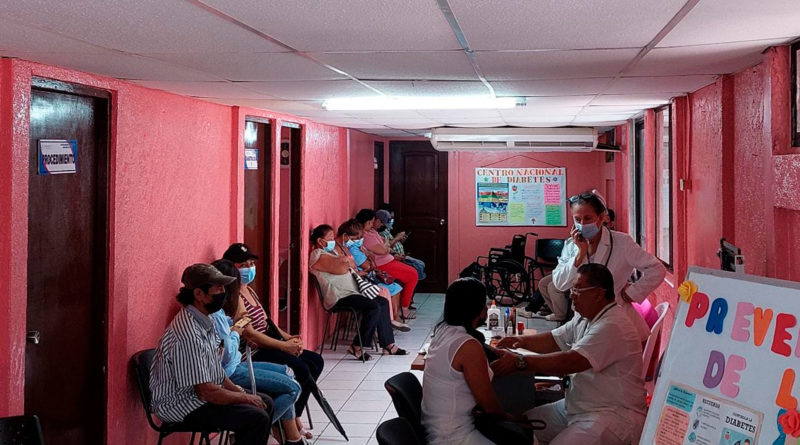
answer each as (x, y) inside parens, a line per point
(422, 103)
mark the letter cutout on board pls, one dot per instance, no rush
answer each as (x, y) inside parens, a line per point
(761, 321)
(741, 324)
(782, 323)
(785, 399)
(731, 377)
(697, 308)
(716, 362)
(716, 316)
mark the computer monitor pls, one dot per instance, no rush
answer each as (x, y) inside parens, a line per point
(730, 257)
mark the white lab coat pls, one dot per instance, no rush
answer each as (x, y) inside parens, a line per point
(623, 258)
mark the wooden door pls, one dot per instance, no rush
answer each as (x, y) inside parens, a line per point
(257, 216)
(64, 373)
(418, 193)
(378, 175)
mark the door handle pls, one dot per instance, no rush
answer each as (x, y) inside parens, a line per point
(441, 222)
(33, 337)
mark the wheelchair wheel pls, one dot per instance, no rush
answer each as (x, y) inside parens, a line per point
(509, 281)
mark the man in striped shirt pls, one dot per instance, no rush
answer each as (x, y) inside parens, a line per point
(187, 380)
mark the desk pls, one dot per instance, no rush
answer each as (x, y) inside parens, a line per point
(419, 363)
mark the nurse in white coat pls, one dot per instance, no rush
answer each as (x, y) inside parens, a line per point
(591, 242)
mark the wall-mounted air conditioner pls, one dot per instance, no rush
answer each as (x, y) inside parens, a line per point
(578, 139)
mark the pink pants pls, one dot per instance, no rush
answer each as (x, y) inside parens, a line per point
(406, 275)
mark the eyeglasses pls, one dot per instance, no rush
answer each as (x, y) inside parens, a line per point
(577, 291)
(586, 195)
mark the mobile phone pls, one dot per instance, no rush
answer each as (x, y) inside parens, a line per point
(244, 321)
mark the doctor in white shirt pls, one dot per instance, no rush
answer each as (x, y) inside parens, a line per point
(591, 242)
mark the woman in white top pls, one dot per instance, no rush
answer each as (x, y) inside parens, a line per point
(591, 242)
(457, 375)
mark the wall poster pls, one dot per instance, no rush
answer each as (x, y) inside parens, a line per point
(521, 196)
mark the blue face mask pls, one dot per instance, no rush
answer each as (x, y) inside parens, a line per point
(588, 231)
(330, 246)
(350, 243)
(359, 242)
(248, 274)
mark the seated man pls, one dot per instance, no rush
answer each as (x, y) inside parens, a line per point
(187, 380)
(386, 218)
(601, 353)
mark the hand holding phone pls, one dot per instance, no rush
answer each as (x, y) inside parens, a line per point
(242, 322)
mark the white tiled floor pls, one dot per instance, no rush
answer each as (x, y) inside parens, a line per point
(355, 389)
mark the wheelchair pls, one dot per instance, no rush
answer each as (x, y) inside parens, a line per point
(506, 272)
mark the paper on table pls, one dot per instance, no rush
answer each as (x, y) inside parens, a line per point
(522, 351)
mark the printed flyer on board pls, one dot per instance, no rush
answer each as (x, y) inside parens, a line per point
(691, 417)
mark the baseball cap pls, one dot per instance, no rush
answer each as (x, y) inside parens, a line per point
(201, 275)
(383, 216)
(239, 253)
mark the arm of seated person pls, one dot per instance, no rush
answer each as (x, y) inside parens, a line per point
(558, 363)
(471, 361)
(332, 265)
(218, 395)
(543, 343)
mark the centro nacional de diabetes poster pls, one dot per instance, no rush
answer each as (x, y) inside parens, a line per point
(520, 196)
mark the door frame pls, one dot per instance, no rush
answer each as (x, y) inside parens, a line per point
(296, 315)
(267, 257)
(103, 203)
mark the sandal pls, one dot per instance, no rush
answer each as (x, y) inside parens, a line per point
(361, 355)
(395, 350)
(402, 327)
(301, 429)
(406, 314)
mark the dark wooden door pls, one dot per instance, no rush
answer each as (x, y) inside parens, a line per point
(378, 177)
(418, 193)
(64, 373)
(256, 203)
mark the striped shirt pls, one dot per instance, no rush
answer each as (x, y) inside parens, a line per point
(187, 355)
(397, 248)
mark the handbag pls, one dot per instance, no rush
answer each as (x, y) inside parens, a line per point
(379, 276)
(366, 288)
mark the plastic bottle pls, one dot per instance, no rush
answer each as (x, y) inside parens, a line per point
(494, 320)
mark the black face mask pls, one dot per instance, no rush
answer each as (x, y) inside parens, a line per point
(217, 301)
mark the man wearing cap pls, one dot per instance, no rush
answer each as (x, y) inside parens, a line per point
(396, 242)
(187, 381)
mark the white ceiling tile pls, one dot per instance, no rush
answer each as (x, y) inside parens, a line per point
(537, 112)
(718, 21)
(22, 38)
(346, 25)
(612, 109)
(472, 124)
(252, 66)
(531, 65)
(310, 90)
(555, 121)
(460, 114)
(386, 114)
(563, 24)
(556, 101)
(403, 65)
(703, 59)
(214, 90)
(645, 100)
(596, 120)
(137, 26)
(553, 87)
(430, 87)
(114, 64)
(660, 84)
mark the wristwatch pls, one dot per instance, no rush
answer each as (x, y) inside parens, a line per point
(521, 363)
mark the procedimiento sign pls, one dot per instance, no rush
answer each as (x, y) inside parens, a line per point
(58, 156)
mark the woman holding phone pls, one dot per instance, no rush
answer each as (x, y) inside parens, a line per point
(273, 379)
(592, 242)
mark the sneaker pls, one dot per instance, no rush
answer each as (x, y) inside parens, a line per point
(554, 317)
(402, 327)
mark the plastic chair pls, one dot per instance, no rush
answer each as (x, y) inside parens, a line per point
(142, 361)
(21, 430)
(406, 393)
(547, 251)
(397, 431)
(655, 336)
(337, 328)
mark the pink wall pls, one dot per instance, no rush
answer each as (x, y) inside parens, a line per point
(465, 240)
(362, 172)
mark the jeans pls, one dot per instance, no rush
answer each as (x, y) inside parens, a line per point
(271, 379)
(250, 424)
(374, 315)
(307, 368)
(416, 264)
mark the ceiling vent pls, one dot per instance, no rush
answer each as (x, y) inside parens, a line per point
(576, 139)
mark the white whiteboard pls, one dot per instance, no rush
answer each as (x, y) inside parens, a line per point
(733, 411)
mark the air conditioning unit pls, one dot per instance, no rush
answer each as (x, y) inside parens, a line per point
(579, 139)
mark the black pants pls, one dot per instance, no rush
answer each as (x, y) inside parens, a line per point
(374, 315)
(307, 367)
(250, 424)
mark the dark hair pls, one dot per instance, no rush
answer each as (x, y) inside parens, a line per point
(365, 215)
(464, 300)
(319, 232)
(349, 228)
(186, 295)
(588, 198)
(611, 215)
(232, 299)
(599, 276)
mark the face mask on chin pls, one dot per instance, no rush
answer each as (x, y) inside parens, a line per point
(217, 301)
